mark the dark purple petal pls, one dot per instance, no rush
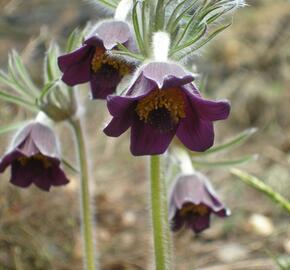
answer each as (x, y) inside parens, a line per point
(224, 212)
(8, 159)
(199, 223)
(43, 181)
(76, 66)
(94, 42)
(104, 82)
(195, 133)
(146, 140)
(177, 222)
(20, 175)
(123, 110)
(113, 32)
(117, 126)
(118, 105)
(166, 75)
(208, 110)
(58, 178)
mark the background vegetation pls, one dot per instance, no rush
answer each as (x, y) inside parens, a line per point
(249, 64)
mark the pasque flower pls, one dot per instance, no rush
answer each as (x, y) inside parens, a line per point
(162, 102)
(34, 158)
(192, 200)
(92, 62)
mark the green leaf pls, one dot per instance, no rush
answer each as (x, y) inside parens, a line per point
(137, 28)
(206, 40)
(51, 70)
(224, 163)
(73, 41)
(145, 27)
(261, 186)
(126, 52)
(6, 80)
(108, 3)
(70, 166)
(218, 15)
(174, 14)
(11, 127)
(238, 140)
(20, 73)
(201, 32)
(47, 88)
(159, 15)
(176, 22)
(17, 100)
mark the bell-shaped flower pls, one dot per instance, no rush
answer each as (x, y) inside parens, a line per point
(93, 63)
(191, 202)
(34, 158)
(162, 102)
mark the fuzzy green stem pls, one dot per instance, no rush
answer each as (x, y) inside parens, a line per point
(86, 208)
(159, 214)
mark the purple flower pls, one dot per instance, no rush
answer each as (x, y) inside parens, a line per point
(34, 158)
(160, 103)
(191, 202)
(92, 63)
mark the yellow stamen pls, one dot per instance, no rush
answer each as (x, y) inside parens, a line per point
(199, 209)
(171, 99)
(100, 58)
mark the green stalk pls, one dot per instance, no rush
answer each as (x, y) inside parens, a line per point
(159, 215)
(86, 208)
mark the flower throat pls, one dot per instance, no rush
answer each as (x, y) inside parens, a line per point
(100, 58)
(162, 108)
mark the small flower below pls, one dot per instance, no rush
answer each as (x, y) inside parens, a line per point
(34, 158)
(191, 202)
(93, 62)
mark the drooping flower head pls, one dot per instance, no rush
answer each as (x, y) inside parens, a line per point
(92, 62)
(191, 202)
(162, 102)
(34, 158)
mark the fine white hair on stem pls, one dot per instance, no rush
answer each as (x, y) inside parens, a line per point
(123, 10)
(161, 45)
(184, 160)
(42, 118)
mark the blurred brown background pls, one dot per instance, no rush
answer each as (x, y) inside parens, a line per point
(249, 64)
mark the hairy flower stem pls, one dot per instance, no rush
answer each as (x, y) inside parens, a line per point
(159, 215)
(86, 208)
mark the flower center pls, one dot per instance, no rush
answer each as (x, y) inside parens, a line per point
(162, 108)
(38, 157)
(100, 58)
(189, 208)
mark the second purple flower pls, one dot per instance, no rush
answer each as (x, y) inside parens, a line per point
(92, 63)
